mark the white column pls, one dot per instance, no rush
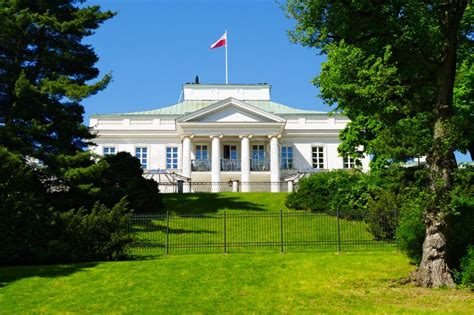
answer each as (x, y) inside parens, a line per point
(245, 163)
(274, 164)
(235, 185)
(186, 156)
(216, 163)
(186, 160)
(290, 186)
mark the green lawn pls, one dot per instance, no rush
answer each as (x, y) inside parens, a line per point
(256, 202)
(362, 282)
(252, 224)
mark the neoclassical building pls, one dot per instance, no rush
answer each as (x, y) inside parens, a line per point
(221, 133)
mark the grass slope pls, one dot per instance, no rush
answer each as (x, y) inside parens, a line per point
(253, 224)
(257, 202)
(260, 283)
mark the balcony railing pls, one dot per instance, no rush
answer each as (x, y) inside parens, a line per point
(260, 165)
(201, 165)
(230, 165)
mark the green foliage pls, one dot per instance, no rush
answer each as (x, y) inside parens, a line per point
(124, 177)
(411, 231)
(328, 192)
(466, 273)
(355, 195)
(107, 180)
(384, 70)
(25, 217)
(98, 234)
(36, 225)
(382, 214)
(393, 68)
(45, 70)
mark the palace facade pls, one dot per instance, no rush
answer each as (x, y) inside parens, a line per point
(227, 132)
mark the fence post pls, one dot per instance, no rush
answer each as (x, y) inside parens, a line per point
(180, 185)
(167, 232)
(281, 230)
(338, 231)
(225, 232)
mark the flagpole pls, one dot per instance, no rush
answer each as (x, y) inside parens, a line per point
(226, 66)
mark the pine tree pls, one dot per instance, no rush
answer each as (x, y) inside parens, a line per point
(45, 71)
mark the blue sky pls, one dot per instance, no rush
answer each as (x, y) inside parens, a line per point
(152, 47)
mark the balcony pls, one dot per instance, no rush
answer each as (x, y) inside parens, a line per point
(260, 165)
(206, 165)
(201, 165)
(230, 165)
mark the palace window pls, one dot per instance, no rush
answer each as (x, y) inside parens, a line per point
(109, 151)
(230, 152)
(201, 152)
(142, 154)
(258, 152)
(318, 157)
(286, 157)
(350, 162)
(171, 157)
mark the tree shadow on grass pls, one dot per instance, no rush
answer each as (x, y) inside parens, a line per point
(13, 273)
(207, 203)
(150, 225)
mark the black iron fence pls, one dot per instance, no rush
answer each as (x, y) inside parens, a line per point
(269, 231)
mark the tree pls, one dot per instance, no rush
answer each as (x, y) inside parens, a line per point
(391, 69)
(59, 202)
(45, 71)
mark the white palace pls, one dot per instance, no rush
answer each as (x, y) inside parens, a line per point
(223, 133)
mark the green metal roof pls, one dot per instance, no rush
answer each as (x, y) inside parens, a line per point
(187, 107)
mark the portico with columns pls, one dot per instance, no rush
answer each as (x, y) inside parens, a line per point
(242, 167)
(226, 133)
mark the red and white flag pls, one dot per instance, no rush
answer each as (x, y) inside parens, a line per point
(220, 42)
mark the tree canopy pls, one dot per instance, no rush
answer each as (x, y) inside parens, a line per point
(59, 201)
(402, 72)
(45, 71)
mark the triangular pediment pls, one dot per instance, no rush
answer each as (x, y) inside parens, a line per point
(231, 110)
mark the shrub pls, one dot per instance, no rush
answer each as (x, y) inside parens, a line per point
(36, 225)
(466, 274)
(381, 217)
(124, 177)
(330, 191)
(99, 234)
(108, 180)
(25, 217)
(411, 230)
(378, 198)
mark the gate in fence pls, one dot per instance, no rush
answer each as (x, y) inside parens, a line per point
(280, 231)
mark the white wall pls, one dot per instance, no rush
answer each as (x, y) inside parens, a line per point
(302, 149)
(221, 92)
(156, 149)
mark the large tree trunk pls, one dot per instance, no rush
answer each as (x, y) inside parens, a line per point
(434, 270)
